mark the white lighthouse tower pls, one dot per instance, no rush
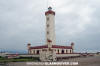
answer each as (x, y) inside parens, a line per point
(49, 54)
(50, 27)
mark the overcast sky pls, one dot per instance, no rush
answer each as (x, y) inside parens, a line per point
(23, 21)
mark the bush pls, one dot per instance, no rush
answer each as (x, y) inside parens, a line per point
(19, 59)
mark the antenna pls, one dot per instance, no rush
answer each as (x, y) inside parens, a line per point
(47, 3)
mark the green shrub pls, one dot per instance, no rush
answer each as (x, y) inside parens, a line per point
(19, 59)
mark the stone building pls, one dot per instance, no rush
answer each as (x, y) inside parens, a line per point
(58, 49)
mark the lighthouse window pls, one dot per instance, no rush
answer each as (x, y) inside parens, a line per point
(47, 18)
(47, 32)
(47, 25)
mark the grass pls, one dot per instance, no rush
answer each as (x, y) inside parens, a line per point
(21, 59)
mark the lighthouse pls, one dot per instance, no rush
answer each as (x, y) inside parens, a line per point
(50, 27)
(50, 51)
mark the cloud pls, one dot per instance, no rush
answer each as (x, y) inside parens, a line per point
(23, 21)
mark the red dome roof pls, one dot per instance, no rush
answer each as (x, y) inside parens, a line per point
(50, 12)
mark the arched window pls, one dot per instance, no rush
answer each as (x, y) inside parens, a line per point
(70, 51)
(66, 51)
(33, 51)
(58, 51)
(62, 52)
(37, 52)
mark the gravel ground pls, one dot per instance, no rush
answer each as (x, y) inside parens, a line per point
(86, 61)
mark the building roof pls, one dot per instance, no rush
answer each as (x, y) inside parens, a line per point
(53, 46)
(63, 47)
(49, 11)
(39, 47)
